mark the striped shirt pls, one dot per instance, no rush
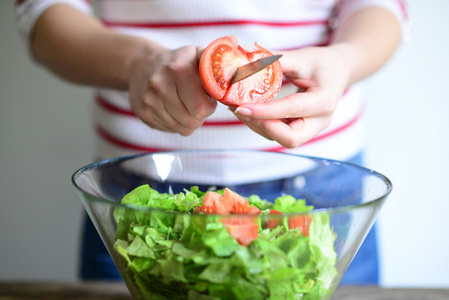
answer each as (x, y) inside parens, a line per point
(275, 25)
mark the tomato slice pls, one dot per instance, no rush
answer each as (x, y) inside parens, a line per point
(218, 64)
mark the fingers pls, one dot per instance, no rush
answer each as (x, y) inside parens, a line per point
(293, 120)
(151, 110)
(255, 126)
(168, 95)
(313, 103)
(290, 134)
(191, 92)
(295, 133)
(297, 118)
(167, 114)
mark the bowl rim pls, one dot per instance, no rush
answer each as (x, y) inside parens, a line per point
(331, 210)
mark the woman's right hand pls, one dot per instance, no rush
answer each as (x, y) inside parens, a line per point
(165, 90)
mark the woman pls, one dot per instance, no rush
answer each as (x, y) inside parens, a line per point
(142, 57)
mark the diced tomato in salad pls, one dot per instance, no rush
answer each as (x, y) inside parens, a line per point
(245, 229)
(301, 222)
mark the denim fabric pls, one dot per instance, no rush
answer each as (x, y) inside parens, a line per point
(96, 263)
(364, 268)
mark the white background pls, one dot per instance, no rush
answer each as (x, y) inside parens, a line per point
(45, 135)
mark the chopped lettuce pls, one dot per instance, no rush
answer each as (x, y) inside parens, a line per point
(180, 256)
(288, 204)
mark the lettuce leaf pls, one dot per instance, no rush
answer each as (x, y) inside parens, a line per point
(288, 204)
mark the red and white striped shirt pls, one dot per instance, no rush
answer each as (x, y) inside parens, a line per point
(276, 25)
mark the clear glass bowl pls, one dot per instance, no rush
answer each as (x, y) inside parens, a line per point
(182, 262)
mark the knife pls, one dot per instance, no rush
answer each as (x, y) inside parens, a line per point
(252, 68)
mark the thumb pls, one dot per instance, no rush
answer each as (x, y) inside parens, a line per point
(296, 69)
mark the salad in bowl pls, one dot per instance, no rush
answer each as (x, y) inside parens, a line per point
(176, 235)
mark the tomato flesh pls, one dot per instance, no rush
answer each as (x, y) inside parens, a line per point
(223, 63)
(272, 223)
(235, 203)
(301, 222)
(244, 232)
(244, 229)
(212, 204)
(219, 63)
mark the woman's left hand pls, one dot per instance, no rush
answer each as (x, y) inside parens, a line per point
(321, 77)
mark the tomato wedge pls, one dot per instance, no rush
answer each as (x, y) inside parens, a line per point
(301, 222)
(272, 223)
(237, 204)
(244, 229)
(212, 204)
(218, 64)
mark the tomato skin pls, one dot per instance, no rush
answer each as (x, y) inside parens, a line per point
(218, 64)
(206, 66)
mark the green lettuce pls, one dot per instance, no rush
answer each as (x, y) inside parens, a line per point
(180, 256)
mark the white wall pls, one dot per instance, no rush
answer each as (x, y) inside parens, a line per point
(45, 135)
(409, 124)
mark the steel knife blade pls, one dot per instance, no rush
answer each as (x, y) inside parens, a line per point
(252, 68)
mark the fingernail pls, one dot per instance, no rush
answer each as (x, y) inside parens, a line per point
(243, 113)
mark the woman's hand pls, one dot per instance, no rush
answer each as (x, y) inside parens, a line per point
(166, 93)
(360, 46)
(321, 77)
(164, 85)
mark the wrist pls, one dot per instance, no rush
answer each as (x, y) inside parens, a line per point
(351, 57)
(138, 52)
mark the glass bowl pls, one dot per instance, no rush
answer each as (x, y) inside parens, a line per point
(166, 254)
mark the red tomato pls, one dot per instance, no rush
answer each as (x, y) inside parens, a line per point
(244, 230)
(301, 222)
(235, 203)
(212, 204)
(218, 65)
(254, 211)
(272, 223)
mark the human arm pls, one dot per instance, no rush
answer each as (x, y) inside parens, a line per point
(164, 86)
(360, 46)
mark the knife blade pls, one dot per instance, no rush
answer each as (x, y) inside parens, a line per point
(252, 68)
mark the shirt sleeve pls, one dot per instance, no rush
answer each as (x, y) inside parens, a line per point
(28, 11)
(398, 8)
